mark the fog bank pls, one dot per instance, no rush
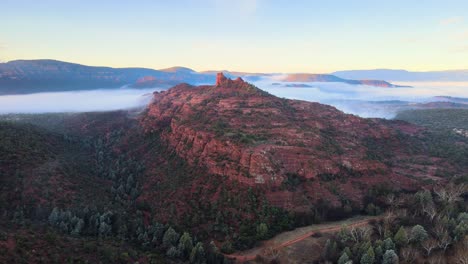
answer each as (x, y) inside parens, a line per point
(76, 101)
(363, 100)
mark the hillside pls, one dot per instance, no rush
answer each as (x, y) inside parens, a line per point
(27, 76)
(288, 147)
(437, 119)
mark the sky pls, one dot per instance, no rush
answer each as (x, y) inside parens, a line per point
(239, 35)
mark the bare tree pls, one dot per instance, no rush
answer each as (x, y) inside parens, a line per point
(379, 229)
(429, 245)
(270, 253)
(360, 234)
(437, 259)
(430, 211)
(389, 218)
(461, 256)
(408, 255)
(393, 201)
(443, 238)
(451, 193)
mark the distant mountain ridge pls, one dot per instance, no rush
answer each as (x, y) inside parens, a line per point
(26, 76)
(307, 77)
(30, 76)
(405, 76)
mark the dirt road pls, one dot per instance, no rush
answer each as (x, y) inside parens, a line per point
(288, 238)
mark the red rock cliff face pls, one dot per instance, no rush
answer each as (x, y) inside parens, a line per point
(236, 130)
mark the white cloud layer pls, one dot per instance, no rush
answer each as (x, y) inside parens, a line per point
(79, 101)
(362, 100)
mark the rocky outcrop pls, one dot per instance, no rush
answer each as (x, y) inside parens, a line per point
(236, 130)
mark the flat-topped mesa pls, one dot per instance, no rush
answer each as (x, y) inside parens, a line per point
(224, 82)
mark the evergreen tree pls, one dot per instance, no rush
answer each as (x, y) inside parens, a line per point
(378, 252)
(173, 252)
(262, 231)
(227, 248)
(368, 257)
(198, 254)
(348, 252)
(388, 244)
(63, 226)
(54, 217)
(461, 230)
(343, 259)
(104, 229)
(185, 244)
(390, 257)
(401, 239)
(418, 234)
(170, 238)
(78, 228)
(213, 255)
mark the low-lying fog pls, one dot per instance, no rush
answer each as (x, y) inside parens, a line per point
(368, 101)
(76, 101)
(365, 101)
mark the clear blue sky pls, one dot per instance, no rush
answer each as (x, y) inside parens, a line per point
(243, 35)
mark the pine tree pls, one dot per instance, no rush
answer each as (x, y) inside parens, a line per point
(170, 238)
(198, 254)
(63, 226)
(54, 217)
(348, 252)
(388, 244)
(343, 259)
(390, 257)
(77, 228)
(262, 231)
(227, 248)
(173, 252)
(185, 244)
(104, 229)
(378, 252)
(401, 239)
(368, 257)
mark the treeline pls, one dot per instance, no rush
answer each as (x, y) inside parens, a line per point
(90, 222)
(429, 226)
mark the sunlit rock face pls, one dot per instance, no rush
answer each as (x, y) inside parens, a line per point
(236, 130)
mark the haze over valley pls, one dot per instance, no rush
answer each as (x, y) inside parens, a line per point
(105, 89)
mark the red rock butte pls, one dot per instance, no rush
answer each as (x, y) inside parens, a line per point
(224, 82)
(238, 131)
